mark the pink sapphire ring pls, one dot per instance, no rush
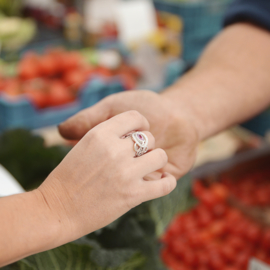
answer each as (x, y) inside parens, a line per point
(140, 143)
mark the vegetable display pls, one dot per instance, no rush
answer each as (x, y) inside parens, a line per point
(56, 77)
(215, 235)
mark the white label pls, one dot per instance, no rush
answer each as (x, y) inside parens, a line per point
(258, 265)
(98, 12)
(135, 20)
(8, 185)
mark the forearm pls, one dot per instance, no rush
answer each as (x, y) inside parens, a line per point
(27, 226)
(230, 83)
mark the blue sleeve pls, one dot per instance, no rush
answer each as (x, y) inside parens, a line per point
(253, 11)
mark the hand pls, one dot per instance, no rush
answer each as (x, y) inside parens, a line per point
(172, 129)
(100, 180)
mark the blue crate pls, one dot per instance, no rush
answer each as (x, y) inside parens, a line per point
(174, 71)
(259, 124)
(22, 113)
(202, 21)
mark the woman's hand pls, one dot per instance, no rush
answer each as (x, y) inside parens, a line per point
(100, 180)
(171, 126)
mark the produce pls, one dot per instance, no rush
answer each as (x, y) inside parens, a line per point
(56, 77)
(214, 235)
(251, 189)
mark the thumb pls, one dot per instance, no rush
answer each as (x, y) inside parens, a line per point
(78, 125)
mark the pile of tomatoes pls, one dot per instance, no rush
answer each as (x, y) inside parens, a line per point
(252, 189)
(56, 77)
(214, 235)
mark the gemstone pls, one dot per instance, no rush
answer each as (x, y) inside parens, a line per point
(140, 137)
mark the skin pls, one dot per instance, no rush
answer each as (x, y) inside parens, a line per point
(229, 85)
(97, 182)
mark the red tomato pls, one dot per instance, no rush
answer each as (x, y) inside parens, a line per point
(28, 70)
(59, 94)
(242, 260)
(220, 191)
(189, 257)
(228, 253)
(265, 240)
(198, 188)
(236, 242)
(216, 261)
(217, 228)
(253, 233)
(12, 88)
(38, 98)
(209, 199)
(48, 65)
(70, 61)
(75, 78)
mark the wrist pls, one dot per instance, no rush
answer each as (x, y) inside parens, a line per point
(55, 226)
(183, 114)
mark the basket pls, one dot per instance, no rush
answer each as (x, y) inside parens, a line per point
(23, 114)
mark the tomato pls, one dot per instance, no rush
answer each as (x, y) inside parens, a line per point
(209, 199)
(265, 239)
(48, 65)
(220, 191)
(228, 253)
(242, 259)
(198, 188)
(59, 94)
(38, 98)
(203, 258)
(253, 233)
(189, 257)
(219, 210)
(237, 243)
(70, 61)
(28, 70)
(75, 78)
(204, 219)
(217, 228)
(216, 261)
(12, 88)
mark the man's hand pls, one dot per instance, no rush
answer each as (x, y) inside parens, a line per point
(174, 133)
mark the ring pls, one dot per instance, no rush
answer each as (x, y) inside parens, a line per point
(140, 142)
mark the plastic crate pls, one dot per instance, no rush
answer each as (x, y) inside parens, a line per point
(259, 124)
(22, 113)
(202, 21)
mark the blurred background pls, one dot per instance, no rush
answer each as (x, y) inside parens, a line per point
(58, 57)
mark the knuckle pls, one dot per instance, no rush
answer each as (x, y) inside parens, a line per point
(135, 115)
(162, 155)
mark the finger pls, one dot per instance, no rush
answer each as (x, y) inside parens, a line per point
(150, 162)
(153, 176)
(158, 188)
(78, 125)
(126, 122)
(128, 144)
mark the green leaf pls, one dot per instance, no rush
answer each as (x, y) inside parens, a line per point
(68, 257)
(163, 210)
